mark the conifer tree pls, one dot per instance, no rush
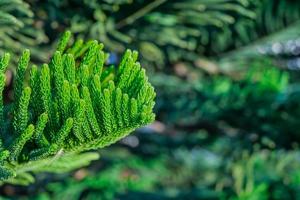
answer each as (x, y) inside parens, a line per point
(71, 105)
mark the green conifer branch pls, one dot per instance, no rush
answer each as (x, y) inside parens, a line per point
(72, 105)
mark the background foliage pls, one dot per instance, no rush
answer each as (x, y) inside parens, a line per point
(226, 73)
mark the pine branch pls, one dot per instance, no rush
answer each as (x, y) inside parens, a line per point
(161, 30)
(72, 105)
(18, 31)
(140, 13)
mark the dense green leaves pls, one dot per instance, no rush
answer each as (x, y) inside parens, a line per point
(73, 104)
(169, 31)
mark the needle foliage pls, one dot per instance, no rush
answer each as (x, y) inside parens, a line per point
(18, 30)
(68, 106)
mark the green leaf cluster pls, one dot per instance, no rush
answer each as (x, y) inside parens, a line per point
(262, 96)
(170, 31)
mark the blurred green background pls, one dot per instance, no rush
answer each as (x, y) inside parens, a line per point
(227, 78)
